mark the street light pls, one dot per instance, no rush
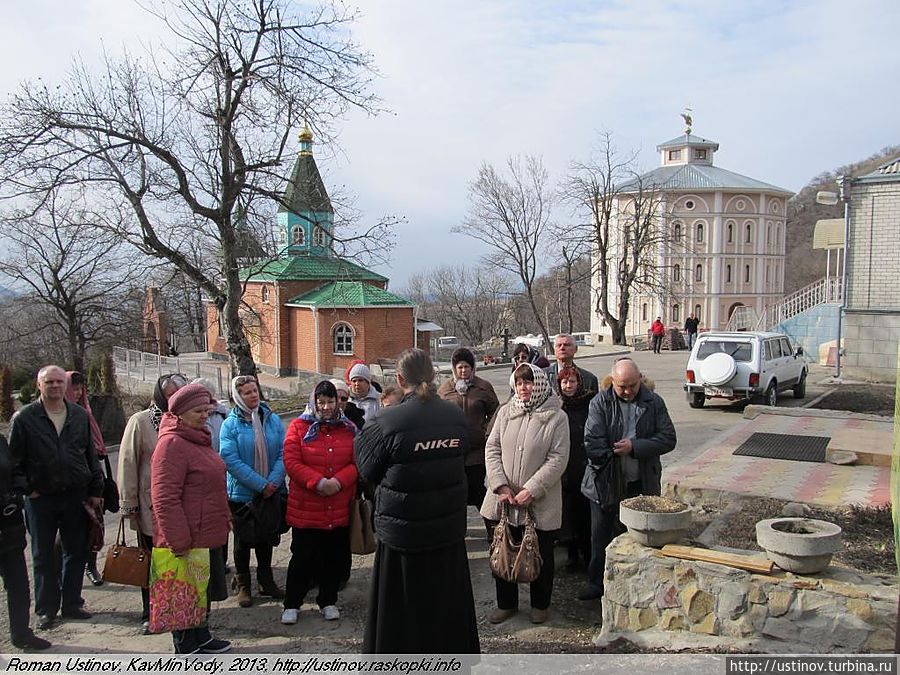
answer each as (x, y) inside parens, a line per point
(830, 199)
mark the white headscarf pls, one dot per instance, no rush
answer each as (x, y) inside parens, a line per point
(539, 393)
(260, 453)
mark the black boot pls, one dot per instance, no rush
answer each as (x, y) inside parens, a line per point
(266, 585)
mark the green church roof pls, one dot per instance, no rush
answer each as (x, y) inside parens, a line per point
(309, 268)
(305, 190)
(348, 294)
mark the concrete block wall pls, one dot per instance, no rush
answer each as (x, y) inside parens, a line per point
(870, 345)
(812, 328)
(874, 256)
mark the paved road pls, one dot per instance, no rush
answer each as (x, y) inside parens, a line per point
(695, 427)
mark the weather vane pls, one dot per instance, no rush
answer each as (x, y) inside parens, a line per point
(688, 120)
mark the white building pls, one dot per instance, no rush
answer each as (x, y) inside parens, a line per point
(724, 241)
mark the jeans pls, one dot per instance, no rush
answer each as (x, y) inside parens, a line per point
(657, 343)
(605, 526)
(690, 341)
(18, 594)
(47, 515)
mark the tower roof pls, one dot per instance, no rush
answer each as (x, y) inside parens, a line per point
(305, 189)
(690, 141)
(691, 177)
(309, 268)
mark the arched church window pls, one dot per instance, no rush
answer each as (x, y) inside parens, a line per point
(676, 231)
(676, 313)
(319, 236)
(298, 235)
(730, 233)
(749, 237)
(698, 273)
(265, 294)
(343, 338)
(700, 233)
(676, 273)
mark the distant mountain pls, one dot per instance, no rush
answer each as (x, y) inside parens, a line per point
(7, 293)
(802, 264)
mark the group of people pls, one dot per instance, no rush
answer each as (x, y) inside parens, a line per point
(192, 473)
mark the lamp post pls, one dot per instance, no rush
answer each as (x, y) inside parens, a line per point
(830, 199)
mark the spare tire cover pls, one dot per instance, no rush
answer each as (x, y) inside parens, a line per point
(717, 369)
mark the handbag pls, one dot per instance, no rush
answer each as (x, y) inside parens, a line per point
(178, 586)
(260, 522)
(516, 563)
(362, 532)
(128, 565)
(110, 490)
(604, 485)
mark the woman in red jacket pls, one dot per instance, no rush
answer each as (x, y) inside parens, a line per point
(318, 457)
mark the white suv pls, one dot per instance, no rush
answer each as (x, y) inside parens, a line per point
(739, 366)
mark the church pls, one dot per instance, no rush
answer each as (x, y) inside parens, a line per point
(309, 309)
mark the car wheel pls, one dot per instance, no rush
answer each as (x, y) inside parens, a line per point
(800, 389)
(698, 398)
(772, 395)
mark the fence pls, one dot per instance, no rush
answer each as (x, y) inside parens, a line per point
(144, 367)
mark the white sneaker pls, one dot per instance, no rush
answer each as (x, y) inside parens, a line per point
(331, 613)
(289, 616)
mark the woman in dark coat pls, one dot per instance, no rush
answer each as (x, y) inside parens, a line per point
(12, 557)
(576, 527)
(413, 454)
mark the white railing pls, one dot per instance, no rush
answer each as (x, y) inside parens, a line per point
(818, 292)
(742, 318)
(148, 367)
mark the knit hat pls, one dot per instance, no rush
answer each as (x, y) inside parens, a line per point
(462, 354)
(189, 397)
(360, 371)
(340, 385)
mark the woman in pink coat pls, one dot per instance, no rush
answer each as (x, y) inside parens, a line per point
(318, 457)
(190, 504)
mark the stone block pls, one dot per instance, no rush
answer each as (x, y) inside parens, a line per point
(672, 620)
(846, 588)
(758, 615)
(697, 603)
(756, 595)
(881, 640)
(779, 602)
(667, 597)
(850, 632)
(642, 619)
(810, 603)
(731, 600)
(814, 634)
(640, 593)
(708, 625)
(684, 574)
(861, 609)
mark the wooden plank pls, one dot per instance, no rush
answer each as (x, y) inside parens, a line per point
(744, 562)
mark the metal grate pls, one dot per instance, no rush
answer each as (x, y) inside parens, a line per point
(785, 446)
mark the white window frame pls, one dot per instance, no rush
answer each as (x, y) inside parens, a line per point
(346, 333)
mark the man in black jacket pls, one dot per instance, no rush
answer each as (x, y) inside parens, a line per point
(55, 466)
(12, 558)
(564, 348)
(629, 423)
(691, 324)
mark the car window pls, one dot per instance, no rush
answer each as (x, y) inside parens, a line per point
(739, 351)
(786, 347)
(772, 350)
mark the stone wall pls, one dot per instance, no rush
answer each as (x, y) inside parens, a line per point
(655, 600)
(870, 345)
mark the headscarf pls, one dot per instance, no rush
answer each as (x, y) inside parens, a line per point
(311, 414)
(96, 434)
(539, 393)
(160, 403)
(260, 452)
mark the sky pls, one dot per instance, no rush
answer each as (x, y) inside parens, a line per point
(789, 89)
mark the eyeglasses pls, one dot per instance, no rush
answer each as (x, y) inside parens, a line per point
(343, 398)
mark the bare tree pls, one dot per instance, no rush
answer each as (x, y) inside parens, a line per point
(192, 142)
(510, 214)
(73, 268)
(626, 225)
(469, 301)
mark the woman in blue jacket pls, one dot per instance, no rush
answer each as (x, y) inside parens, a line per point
(251, 443)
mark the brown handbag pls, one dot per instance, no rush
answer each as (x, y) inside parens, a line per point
(128, 565)
(516, 563)
(362, 533)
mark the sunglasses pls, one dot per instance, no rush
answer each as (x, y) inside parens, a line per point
(343, 398)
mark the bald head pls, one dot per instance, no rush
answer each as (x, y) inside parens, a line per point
(51, 382)
(626, 378)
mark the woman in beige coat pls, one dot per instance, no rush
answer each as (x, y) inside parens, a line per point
(135, 451)
(525, 457)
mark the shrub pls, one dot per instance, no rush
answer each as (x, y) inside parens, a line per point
(108, 375)
(27, 393)
(7, 405)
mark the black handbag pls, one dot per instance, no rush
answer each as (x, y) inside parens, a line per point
(110, 489)
(260, 522)
(605, 484)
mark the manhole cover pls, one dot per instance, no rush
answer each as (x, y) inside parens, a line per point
(785, 446)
